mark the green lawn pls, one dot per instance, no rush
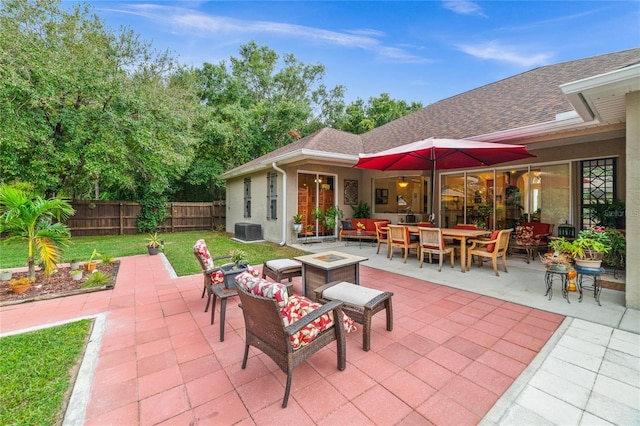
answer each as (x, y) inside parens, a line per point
(178, 247)
(36, 373)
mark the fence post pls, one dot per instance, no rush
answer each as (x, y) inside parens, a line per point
(121, 213)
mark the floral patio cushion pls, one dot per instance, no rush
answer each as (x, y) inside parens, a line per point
(299, 306)
(217, 277)
(524, 236)
(201, 250)
(292, 308)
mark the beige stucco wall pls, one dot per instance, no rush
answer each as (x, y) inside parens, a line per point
(633, 201)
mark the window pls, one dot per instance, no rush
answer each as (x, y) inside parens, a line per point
(598, 187)
(272, 196)
(247, 197)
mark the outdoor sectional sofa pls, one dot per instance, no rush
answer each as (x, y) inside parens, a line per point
(349, 227)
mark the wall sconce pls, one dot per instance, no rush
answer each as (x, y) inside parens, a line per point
(403, 183)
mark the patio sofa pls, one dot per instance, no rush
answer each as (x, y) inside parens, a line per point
(348, 227)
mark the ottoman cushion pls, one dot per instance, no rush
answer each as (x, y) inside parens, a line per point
(283, 264)
(351, 293)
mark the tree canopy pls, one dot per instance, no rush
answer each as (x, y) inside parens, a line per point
(89, 112)
(86, 110)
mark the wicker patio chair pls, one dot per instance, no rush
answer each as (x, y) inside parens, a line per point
(265, 330)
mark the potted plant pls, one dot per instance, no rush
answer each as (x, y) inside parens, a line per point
(331, 216)
(76, 274)
(297, 223)
(361, 227)
(20, 285)
(229, 271)
(153, 242)
(5, 275)
(74, 264)
(590, 247)
(90, 266)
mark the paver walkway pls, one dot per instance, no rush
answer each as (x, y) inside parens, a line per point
(450, 357)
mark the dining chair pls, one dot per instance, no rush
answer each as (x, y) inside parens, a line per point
(432, 242)
(493, 248)
(400, 237)
(382, 235)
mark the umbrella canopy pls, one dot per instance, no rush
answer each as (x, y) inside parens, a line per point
(435, 153)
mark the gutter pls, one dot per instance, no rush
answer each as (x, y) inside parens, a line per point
(284, 203)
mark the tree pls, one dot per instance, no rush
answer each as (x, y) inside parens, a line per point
(360, 117)
(29, 217)
(254, 104)
(88, 112)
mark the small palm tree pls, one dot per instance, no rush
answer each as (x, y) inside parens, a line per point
(28, 217)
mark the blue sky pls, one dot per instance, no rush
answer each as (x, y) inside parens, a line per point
(420, 51)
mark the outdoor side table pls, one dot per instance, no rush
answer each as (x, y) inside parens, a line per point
(549, 277)
(360, 303)
(594, 274)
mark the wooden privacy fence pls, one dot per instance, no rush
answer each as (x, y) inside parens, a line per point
(120, 217)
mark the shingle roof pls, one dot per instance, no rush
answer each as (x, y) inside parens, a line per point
(532, 97)
(324, 140)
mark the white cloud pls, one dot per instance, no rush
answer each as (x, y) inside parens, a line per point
(505, 53)
(190, 20)
(463, 7)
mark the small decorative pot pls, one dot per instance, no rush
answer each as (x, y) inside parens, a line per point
(77, 275)
(74, 265)
(230, 274)
(90, 267)
(297, 228)
(153, 250)
(20, 288)
(5, 276)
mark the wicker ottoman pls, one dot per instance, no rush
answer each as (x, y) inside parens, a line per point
(360, 303)
(279, 269)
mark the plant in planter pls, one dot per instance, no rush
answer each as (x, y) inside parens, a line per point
(153, 242)
(590, 246)
(297, 223)
(90, 266)
(361, 210)
(20, 285)
(74, 264)
(361, 227)
(317, 213)
(228, 272)
(331, 216)
(5, 275)
(76, 274)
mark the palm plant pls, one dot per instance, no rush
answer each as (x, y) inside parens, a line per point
(28, 217)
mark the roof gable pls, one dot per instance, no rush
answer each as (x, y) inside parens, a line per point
(533, 97)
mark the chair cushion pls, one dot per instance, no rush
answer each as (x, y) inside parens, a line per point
(217, 277)
(491, 247)
(201, 250)
(283, 264)
(299, 306)
(263, 288)
(524, 235)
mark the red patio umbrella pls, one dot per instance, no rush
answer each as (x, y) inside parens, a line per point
(435, 153)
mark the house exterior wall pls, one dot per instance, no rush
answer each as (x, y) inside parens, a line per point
(632, 200)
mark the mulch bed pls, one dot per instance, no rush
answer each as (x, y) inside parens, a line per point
(59, 284)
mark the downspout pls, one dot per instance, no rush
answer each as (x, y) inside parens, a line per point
(284, 203)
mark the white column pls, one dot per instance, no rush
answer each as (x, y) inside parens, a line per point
(632, 205)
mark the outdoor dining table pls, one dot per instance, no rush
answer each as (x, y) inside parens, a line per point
(458, 234)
